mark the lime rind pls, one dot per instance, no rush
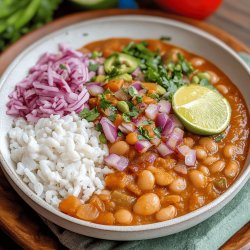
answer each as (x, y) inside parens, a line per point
(202, 111)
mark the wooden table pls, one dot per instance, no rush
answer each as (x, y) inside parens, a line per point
(234, 17)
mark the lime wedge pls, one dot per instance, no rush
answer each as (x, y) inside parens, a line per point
(202, 111)
(96, 4)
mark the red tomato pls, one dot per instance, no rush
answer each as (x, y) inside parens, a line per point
(198, 9)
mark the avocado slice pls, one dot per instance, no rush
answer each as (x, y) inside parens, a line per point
(123, 63)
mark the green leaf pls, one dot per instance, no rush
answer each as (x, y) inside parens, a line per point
(104, 104)
(144, 133)
(93, 67)
(102, 139)
(138, 99)
(132, 91)
(157, 132)
(98, 127)
(96, 54)
(112, 117)
(219, 138)
(126, 117)
(120, 133)
(89, 115)
(62, 66)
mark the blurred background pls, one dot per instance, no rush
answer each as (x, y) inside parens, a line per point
(18, 17)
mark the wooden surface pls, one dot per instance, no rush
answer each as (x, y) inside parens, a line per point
(16, 218)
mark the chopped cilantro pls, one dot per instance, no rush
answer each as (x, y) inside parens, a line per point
(104, 104)
(157, 132)
(62, 66)
(138, 99)
(126, 117)
(204, 82)
(144, 133)
(132, 91)
(89, 115)
(147, 122)
(98, 127)
(102, 139)
(134, 112)
(165, 38)
(219, 138)
(96, 54)
(155, 96)
(112, 117)
(141, 138)
(120, 133)
(93, 67)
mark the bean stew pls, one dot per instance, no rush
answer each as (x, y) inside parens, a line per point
(159, 173)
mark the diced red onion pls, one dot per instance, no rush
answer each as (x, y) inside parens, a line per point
(176, 121)
(95, 89)
(142, 146)
(109, 129)
(136, 72)
(164, 150)
(183, 149)
(127, 127)
(57, 77)
(151, 111)
(175, 138)
(137, 86)
(165, 106)
(190, 158)
(118, 162)
(161, 120)
(138, 121)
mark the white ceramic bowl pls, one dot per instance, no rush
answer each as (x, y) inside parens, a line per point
(133, 26)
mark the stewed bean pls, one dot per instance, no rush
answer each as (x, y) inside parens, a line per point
(217, 166)
(213, 77)
(166, 213)
(147, 204)
(222, 89)
(209, 144)
(163, 178)
(189, 141)
(197, 178)
(210, 160)
(201, 153)
(232, 169)
(178, 185)
(197, 62)
(229, 150)
(146, 180)
(204, 170)
(123, 216)
(119, 148)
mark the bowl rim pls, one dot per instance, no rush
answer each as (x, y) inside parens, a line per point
(242, 179)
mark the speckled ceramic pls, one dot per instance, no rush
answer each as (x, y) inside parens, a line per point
(132, 26)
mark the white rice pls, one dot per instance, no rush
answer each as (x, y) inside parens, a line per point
(58, 157)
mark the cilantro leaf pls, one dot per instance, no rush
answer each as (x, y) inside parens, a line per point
(112, 117)
(144, 133)
(219, 138)
(98, 127)
(157, 132)
(104, 104)
(126, 117)
(93, 67)
(62, 66)
(89, 115)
